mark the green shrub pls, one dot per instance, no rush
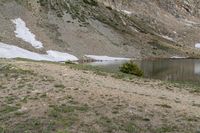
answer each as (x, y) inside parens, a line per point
(69, 62)
(131, 68)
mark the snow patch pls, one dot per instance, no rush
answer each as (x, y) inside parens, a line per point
(126, 12)
(105, 58)
(177, 57)
(11, 51)
(59, 56)
(25, 34)
(197, 45)
(189, 22)
(168, 38)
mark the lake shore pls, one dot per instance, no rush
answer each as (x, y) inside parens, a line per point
(53, 97)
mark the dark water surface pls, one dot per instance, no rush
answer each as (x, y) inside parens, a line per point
(163, 69)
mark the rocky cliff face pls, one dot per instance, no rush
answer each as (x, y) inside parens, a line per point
(128, 28)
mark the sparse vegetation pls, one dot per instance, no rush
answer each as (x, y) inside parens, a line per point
(82, 101)
(7, 109)
(166, 129)
(131, 68)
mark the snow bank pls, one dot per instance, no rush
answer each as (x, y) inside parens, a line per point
(177, 57)
(105, 58)
(11, 51)
(25, 34)
(197, 45)
(61, 56)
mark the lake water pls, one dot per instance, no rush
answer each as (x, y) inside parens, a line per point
(164, 69)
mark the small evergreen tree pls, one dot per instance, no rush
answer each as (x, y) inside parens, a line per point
(131, 68)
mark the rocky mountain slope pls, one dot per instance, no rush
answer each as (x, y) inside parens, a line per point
(125, 28)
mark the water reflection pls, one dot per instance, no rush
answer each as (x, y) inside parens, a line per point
(111, 66)
(197, 67)
(179, 70)
(166, 69)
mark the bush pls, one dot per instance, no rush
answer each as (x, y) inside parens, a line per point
(69, 62)
(131, 68)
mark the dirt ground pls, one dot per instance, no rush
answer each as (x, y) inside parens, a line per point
(48, 97)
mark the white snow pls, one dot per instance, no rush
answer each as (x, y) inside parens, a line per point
(168, 38)
(188, 22)
(177, 57)
(197, 45)
(11, 51)
(106, 58)
(59, 56)
(25, 34)
(126, 12)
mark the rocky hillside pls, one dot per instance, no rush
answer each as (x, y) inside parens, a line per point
(126, 28)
